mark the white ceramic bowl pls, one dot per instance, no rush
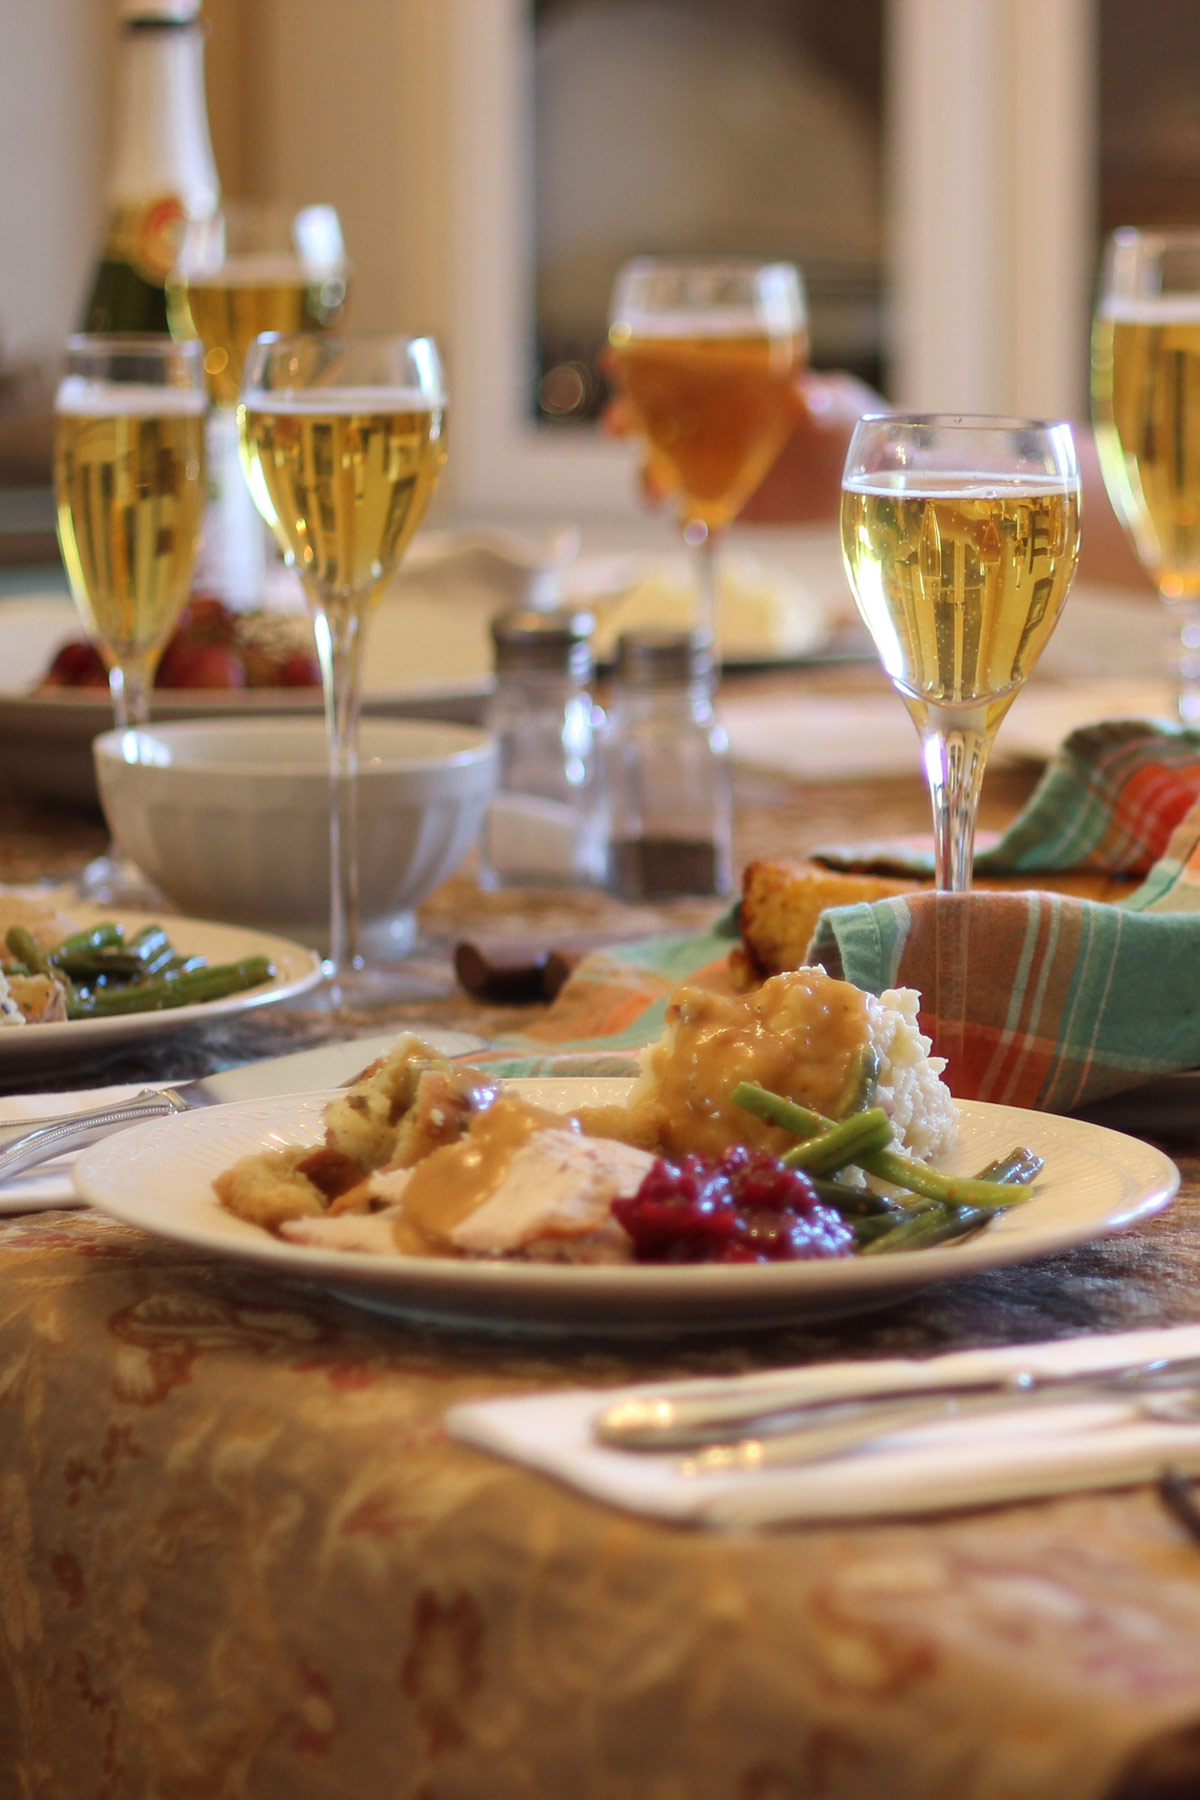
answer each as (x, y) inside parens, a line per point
(230, 818)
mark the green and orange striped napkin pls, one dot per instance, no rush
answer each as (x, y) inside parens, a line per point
(1068, 1000)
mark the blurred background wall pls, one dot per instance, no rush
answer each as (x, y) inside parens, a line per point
(942, 169)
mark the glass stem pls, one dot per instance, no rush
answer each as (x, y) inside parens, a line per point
(704, 543)
(1184, 654)
(954, 759)
(129, 684)
(339, 635)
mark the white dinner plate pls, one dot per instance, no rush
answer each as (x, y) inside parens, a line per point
(296, 970)
(159, 1176)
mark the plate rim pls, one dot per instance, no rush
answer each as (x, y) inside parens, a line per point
(855, 1283)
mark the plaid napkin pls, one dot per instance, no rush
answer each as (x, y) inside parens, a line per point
(1069, 1000)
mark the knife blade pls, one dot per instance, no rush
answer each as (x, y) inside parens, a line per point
(714, 1413)
(37, 1140)
(839, 1427)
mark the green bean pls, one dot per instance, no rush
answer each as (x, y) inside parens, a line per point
(188, 989)
(854, 1202)
(887, 1165)
(799, 1120)
(861, 1082)
(932, 1184)
(850, 1141)
(27, 950)
(1020, 1166)
(96, 937)
(924, 1229)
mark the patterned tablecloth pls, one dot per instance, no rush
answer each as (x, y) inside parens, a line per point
(240, 1557)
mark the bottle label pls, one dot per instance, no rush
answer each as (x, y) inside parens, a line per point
(146, 235)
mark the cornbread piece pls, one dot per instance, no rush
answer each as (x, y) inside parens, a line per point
(269, 1188)
(401, 1108)
(404, 1105)
(782, 901)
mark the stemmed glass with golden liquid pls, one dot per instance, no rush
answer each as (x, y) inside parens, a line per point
(960, 538)
(1146, 413)
(707, 354)
(248, 269)
(129, 478)
(343, 440)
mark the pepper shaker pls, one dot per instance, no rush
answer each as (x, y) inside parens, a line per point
(545, 824)
(667, 771)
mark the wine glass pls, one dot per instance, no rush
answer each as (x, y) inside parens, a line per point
(960, 538)
(130, 487)
(248, 269)
(1146, 411)
(343, 440)
(707, 354)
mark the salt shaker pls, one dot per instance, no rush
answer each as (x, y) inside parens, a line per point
(667, 771)
(545, 824)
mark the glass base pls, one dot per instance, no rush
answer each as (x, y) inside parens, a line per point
(375, 988)
(115, 880)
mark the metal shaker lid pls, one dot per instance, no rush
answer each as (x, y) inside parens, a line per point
(551, 641)
(654, 658)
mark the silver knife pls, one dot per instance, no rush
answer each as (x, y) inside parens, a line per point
(25, 1143)
(1166, 1389)
(716, 1413)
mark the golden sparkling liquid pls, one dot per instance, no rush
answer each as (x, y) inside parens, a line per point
(228, 310)
(960, 584)
(348, 485)
(715, 412)
(130, 490)
(1146, 407)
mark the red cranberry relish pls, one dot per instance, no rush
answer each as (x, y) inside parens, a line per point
(746, 1207)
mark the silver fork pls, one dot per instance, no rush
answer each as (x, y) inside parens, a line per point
(1169, 1393)
(46, 1138)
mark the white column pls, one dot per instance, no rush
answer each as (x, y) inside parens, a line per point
(991, 202)
(1052, 205)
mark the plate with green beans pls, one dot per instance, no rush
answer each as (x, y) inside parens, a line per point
(127, 975)
(1093, 1181)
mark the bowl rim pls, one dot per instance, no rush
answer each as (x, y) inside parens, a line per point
(473, 745)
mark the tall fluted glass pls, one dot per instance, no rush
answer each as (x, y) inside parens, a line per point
(343, 440)
(707, 354)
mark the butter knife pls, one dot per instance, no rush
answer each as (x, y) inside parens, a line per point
(716, 1413)
(836, 1428)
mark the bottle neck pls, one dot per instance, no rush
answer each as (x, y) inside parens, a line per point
(162, 144)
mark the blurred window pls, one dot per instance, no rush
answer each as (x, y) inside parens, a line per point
(725, 127)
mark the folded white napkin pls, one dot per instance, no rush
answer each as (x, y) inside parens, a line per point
(1049, 1449)
(49, 1184)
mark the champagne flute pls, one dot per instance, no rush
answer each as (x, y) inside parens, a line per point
(130, 487)
(343, 440)
(960, 538)
(707, 354)
(248, 269)
(1146, 412)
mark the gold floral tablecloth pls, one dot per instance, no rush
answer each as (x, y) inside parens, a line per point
(241, 1560)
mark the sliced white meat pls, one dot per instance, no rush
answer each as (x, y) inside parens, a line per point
(558, 1184)
(372, 1233)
